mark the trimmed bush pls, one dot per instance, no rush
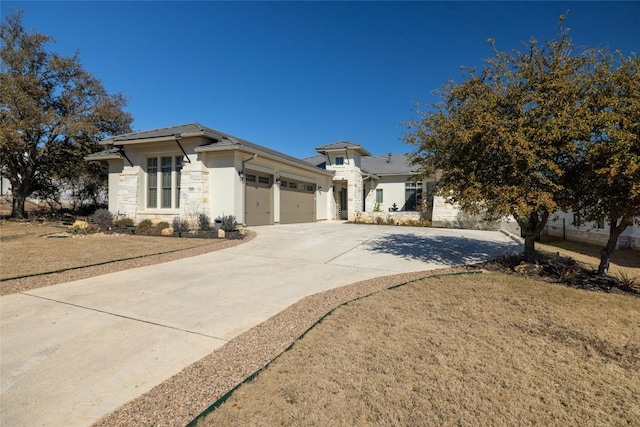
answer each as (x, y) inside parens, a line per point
(144, 227)
(228, 223)
(103, 219)
(204, 223)
(180, 226)
(123, 223)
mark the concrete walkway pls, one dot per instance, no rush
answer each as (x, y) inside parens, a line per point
(73, 352)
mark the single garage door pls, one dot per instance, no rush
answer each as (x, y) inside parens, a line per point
(258, 198)
(297, 201)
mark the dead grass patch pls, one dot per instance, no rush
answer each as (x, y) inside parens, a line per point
(26, 250)
(589, 255)
(493, 349)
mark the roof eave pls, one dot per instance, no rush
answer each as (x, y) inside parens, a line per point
(358, 148)
(209, 149)
(92, 158)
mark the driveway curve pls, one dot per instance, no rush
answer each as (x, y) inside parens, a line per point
(73, 352)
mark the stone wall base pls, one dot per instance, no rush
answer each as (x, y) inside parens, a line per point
(390, 218)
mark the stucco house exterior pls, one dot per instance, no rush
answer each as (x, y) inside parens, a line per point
(191, 169)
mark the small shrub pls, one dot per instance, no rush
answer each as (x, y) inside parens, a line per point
(379, 220)
(627, 281)
(79, 227)
(376, 207)
(92, 229)
(103, 219)
(566, 271)
(204, 223)
(390, 221)
(508, 261)
(228, 223)
(180, 226)
(162, 225)
(144, 227)
(123, 223)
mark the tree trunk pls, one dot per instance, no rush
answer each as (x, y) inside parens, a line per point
(529, 248)
(530, 229)
(17, 207)
(615, 230)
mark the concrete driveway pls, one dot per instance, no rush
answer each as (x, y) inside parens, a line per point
(73, 352)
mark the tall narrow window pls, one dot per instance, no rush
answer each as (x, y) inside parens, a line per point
(166, 182)
(178, 179)
(152, 182)
(378, 195)
(412, 195)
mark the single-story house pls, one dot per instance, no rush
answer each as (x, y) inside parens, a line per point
(191, 169)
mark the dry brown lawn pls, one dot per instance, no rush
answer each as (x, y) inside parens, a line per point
(490, 349)
(25, 249)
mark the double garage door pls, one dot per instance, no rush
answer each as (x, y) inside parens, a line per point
(297, 200)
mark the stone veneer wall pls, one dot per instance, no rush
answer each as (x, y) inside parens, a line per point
(354, 190)
(398, 217)
(128, 194)
(443, 212)
(194, 192)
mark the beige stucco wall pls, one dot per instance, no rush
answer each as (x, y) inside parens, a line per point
(393, 191)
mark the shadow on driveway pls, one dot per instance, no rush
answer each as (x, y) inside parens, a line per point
(446, 250)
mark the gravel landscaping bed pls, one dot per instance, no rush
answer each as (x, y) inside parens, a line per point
(181, 398)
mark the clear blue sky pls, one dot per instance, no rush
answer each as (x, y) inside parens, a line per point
(296, 75)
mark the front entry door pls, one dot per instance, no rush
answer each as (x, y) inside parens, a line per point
(344, 211)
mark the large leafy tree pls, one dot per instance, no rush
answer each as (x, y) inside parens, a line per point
(604, 182)
(52, 113)
(503, 136)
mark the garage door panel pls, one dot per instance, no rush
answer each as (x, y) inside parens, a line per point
(258, 199)
(297, 202)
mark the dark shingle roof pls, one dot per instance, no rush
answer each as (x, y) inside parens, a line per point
(319, 161)
(391, 164)
(157, 133)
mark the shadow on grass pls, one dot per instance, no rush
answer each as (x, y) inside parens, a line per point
(446, 250)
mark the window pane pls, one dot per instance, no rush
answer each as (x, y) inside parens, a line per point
(339, 161)
(379, 195)
(263, 179)
(152, 182)
(178, 179)
(166, 182)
